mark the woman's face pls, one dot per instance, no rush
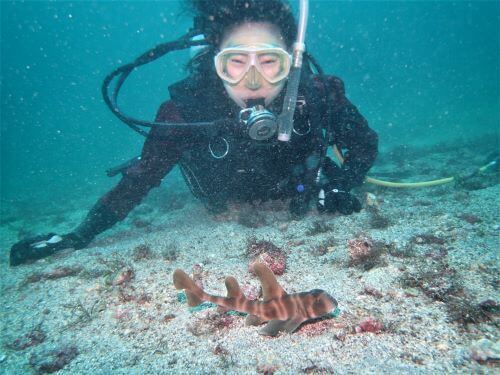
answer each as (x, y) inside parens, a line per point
(253, 85)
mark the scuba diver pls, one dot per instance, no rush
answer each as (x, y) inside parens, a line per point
(251, 122)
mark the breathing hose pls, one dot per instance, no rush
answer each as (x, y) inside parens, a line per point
(440, 181)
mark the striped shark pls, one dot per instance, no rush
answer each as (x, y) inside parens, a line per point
(282, 311)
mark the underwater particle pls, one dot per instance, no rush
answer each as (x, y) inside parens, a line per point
(142, 252)
(51, 361)
(370, 324)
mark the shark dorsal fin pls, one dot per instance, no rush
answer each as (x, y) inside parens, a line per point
(233, 288)
(270, 287)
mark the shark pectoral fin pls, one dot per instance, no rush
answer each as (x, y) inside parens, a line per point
(273, 327)
(253, 320)
(292, 324)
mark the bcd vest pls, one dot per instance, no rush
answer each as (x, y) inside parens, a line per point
(227, 165)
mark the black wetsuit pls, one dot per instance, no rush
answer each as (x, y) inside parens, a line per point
(227, 166)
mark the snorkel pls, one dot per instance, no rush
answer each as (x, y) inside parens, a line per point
(285, 120)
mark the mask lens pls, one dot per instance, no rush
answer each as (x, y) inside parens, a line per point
(273, 66)
(234, 66)
(272, 63)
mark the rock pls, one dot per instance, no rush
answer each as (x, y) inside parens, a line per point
(53, 360)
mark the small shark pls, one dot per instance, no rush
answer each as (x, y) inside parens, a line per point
(282, 311)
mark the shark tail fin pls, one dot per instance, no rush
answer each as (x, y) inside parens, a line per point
(193, 292)
(233, 288)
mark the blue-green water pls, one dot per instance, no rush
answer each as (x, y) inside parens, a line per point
(420, 72)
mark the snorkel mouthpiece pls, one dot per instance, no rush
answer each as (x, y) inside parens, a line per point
(259, 123)
(285, 119)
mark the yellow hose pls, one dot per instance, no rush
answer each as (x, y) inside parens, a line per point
(378, 182)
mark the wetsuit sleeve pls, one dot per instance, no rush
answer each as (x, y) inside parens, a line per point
(351, 135)
(160, 153)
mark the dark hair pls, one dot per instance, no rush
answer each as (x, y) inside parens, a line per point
(215, 17)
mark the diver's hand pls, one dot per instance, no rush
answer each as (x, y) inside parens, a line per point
(42, 246)
(334, 200)
(299, 205)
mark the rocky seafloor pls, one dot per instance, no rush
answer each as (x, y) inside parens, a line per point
(416, 275)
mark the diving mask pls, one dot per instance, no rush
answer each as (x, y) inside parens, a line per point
(232, 64)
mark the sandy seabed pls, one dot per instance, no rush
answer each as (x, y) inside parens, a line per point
(430, 284)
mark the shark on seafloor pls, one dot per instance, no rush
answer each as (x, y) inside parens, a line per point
(281, 311)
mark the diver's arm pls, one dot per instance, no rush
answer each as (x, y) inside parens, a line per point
(160, 153)
(351, 135)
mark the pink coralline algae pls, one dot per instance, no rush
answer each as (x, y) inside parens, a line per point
(360, 249)
(275, 261)
(267, 253)
(370, 324)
